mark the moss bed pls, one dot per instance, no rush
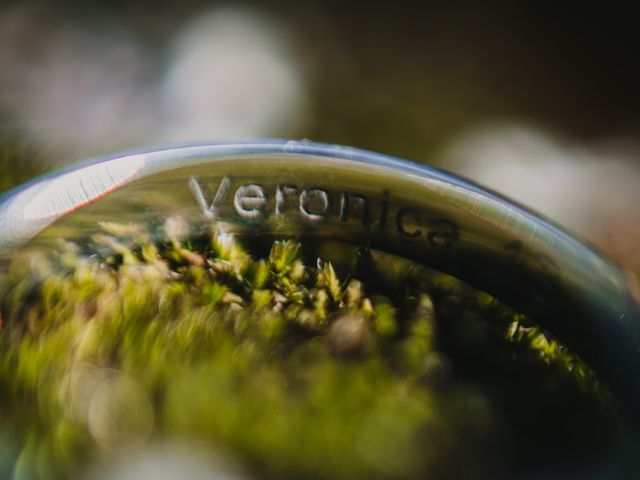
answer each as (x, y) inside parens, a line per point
(284, 363)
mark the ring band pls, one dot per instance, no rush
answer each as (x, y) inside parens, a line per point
(309, 190)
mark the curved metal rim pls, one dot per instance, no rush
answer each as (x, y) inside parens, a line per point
(176, 152)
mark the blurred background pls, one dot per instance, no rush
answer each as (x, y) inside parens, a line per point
(537, 100)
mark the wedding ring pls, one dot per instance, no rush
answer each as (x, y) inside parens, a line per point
(306, 190)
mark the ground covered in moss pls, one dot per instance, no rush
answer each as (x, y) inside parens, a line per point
(366, 366)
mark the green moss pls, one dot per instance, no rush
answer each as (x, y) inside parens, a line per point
(301, 372)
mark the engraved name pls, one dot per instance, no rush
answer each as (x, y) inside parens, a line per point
(253, 203)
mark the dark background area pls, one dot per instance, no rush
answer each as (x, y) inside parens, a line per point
(406, 76)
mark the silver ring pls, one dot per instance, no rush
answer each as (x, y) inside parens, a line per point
(308, 190)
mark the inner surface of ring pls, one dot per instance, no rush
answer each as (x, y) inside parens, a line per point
(448, 225)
